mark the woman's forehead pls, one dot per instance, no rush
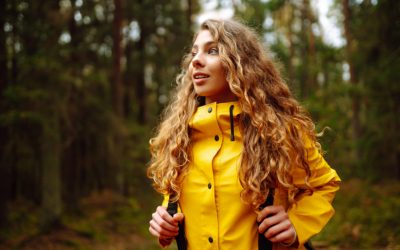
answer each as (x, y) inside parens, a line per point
(203, 38)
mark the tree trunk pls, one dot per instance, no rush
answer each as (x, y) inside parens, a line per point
(309, 49)
(72, 28)
(117, 55)
(14, 34)
(3, 50)
(356, 125)
(189, 13)
(72, 153)
(6, 175)
(127, 102)
(51, 147)
(141, 94)
(291, 71)
(140, 83)
(303, 77)
(51, 181)
(118, 93)
(4, 168)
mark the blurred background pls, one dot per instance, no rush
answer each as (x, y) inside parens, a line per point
(82, 85)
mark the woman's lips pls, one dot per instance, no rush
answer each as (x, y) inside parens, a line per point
(200, 78)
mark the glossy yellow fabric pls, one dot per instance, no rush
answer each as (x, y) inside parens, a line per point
(215, 216)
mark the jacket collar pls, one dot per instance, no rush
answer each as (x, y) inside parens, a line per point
(215, 118)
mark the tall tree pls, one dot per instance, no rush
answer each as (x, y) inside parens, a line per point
(378, 69)
(14, 34)
(309, 17)
(284, 18)
(117, 84)
(3, 83)
(3, 49)
(356, 102)
(308, 53)
(290, 38)
(51, 176)
(118, 90)
(50, 109)
(189, 13)
(141, 93)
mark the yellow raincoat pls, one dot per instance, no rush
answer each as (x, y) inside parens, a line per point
(215, 216)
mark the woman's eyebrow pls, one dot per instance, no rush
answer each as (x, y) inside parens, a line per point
(207, 44)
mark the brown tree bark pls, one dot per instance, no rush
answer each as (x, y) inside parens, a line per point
(51, 176)
(118, 91)
(141, 93)
(3, 49)
(189, 13)
(140, 82)
(303, 77)
(307, 22)
(4, 169)
(51, 148)
(116, 84)
(356, 105)
(14, 34)
(128, 83)
(291, 72)
(72, 153)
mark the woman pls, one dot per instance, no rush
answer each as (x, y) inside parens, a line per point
(231, 135)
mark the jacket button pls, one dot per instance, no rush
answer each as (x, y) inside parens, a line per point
(210, 239)
(209, 185)
(216, 138)
(209, 110)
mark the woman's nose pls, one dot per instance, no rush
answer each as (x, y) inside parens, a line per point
(198, 60)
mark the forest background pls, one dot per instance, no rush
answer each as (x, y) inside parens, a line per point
(83, 83)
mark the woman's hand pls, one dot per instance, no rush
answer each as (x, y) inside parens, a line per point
(276, 226)
(164, 226)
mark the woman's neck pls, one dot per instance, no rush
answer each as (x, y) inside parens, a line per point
(230, 97)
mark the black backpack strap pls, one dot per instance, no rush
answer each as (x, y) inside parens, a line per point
(264, 243)
(180, 238)
(308, 245)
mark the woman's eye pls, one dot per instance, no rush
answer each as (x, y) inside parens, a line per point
(194, 53)
(213, 51)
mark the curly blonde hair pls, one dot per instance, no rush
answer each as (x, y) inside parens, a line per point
(272, 122)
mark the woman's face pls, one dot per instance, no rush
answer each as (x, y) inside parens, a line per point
(207, 72)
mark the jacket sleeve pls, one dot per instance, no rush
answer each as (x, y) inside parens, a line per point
(311, 212)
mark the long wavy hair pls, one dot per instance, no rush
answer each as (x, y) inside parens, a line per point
(273, 124)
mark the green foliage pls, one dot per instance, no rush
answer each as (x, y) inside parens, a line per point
(105, 220)
(366, 216)
(61, 67)
(22, 220)
(253, 12)
(377, 62)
